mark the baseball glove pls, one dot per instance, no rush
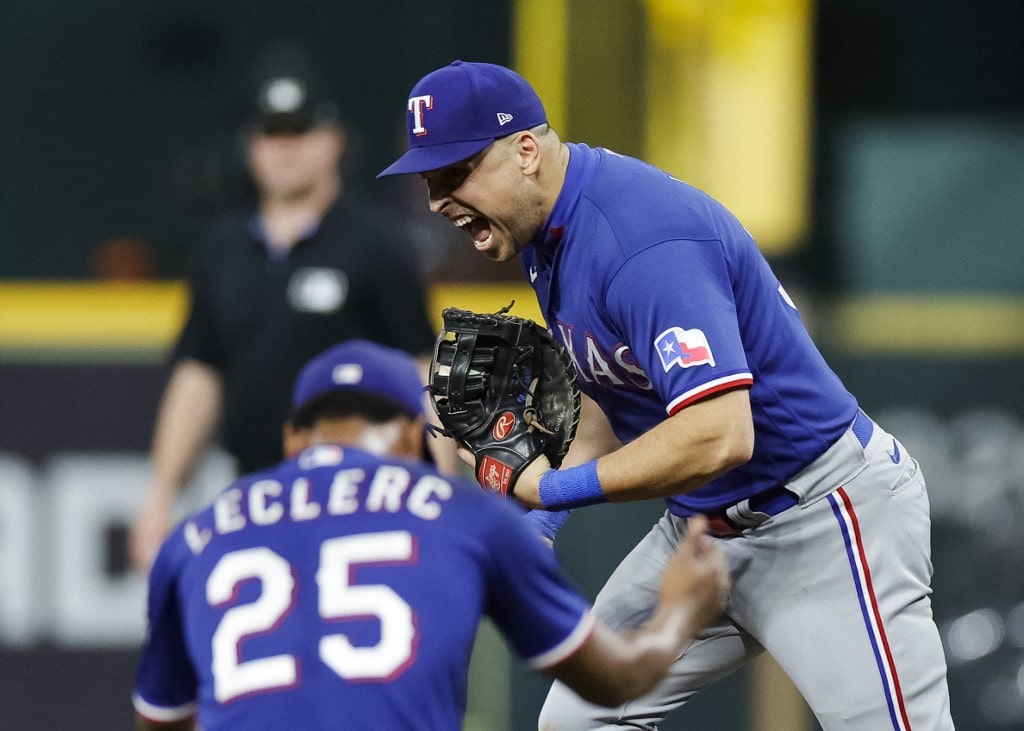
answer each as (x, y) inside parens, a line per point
(502, 387)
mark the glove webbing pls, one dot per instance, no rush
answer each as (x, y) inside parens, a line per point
(464, 386)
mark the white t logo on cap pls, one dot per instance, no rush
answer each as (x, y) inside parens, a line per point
(417, 105)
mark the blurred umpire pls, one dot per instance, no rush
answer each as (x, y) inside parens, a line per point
(298, 269)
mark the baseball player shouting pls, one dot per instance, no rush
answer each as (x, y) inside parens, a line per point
(713, 397)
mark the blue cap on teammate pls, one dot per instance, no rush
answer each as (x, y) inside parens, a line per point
(458, 110)
(359, 365)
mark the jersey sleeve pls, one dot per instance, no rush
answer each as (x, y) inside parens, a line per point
(674, 303)
(530, 599)
(166, 687)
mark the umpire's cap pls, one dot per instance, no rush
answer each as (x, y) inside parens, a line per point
(361, 365)
(456, 111)
(291, 98)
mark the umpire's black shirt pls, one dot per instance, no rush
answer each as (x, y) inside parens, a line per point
(258, 317)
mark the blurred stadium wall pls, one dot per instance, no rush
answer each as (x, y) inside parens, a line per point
(875, 149)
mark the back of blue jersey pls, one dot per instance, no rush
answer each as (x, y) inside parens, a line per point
(342, 591)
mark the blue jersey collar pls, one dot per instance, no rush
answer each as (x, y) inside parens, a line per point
(581, 164)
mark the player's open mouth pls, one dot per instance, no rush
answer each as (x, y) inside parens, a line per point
(479, 229)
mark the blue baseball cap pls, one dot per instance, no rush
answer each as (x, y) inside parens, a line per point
(456, 111)
(361, 365)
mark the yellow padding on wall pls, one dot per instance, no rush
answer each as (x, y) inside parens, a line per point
(91, 316)
(485, 298)
(85, 316)
(117, 320)
(926, 325)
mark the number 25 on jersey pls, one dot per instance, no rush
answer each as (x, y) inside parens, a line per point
(337, 598)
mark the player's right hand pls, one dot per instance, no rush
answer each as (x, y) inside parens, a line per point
(697, 574)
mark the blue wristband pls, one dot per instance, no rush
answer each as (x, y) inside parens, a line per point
(545, 522)
(575, 487)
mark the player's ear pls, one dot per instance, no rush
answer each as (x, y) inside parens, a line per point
(411, 442)
(527, 149)
(293, 439)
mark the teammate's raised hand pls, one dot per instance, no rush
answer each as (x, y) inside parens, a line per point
(697, 575)
(611, 668)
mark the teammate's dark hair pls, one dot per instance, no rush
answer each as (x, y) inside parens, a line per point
(340, 404)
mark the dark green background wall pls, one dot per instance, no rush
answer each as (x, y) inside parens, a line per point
(119, 117)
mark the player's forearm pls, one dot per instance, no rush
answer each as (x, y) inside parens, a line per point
(594, 437)
(681, 454)
(611, 669)
(657, 645)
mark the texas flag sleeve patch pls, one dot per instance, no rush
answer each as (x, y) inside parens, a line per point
(685, 348)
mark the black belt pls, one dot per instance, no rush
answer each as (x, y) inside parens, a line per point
(776, 499)
(770, 502)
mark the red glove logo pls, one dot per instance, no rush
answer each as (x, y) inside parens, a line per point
(494, 475)
(503, 426)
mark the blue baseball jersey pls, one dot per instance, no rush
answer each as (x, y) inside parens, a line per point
(663, 298)
(343, 591)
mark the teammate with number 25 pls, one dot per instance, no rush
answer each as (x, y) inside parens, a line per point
(702, 388)
(343, 588)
